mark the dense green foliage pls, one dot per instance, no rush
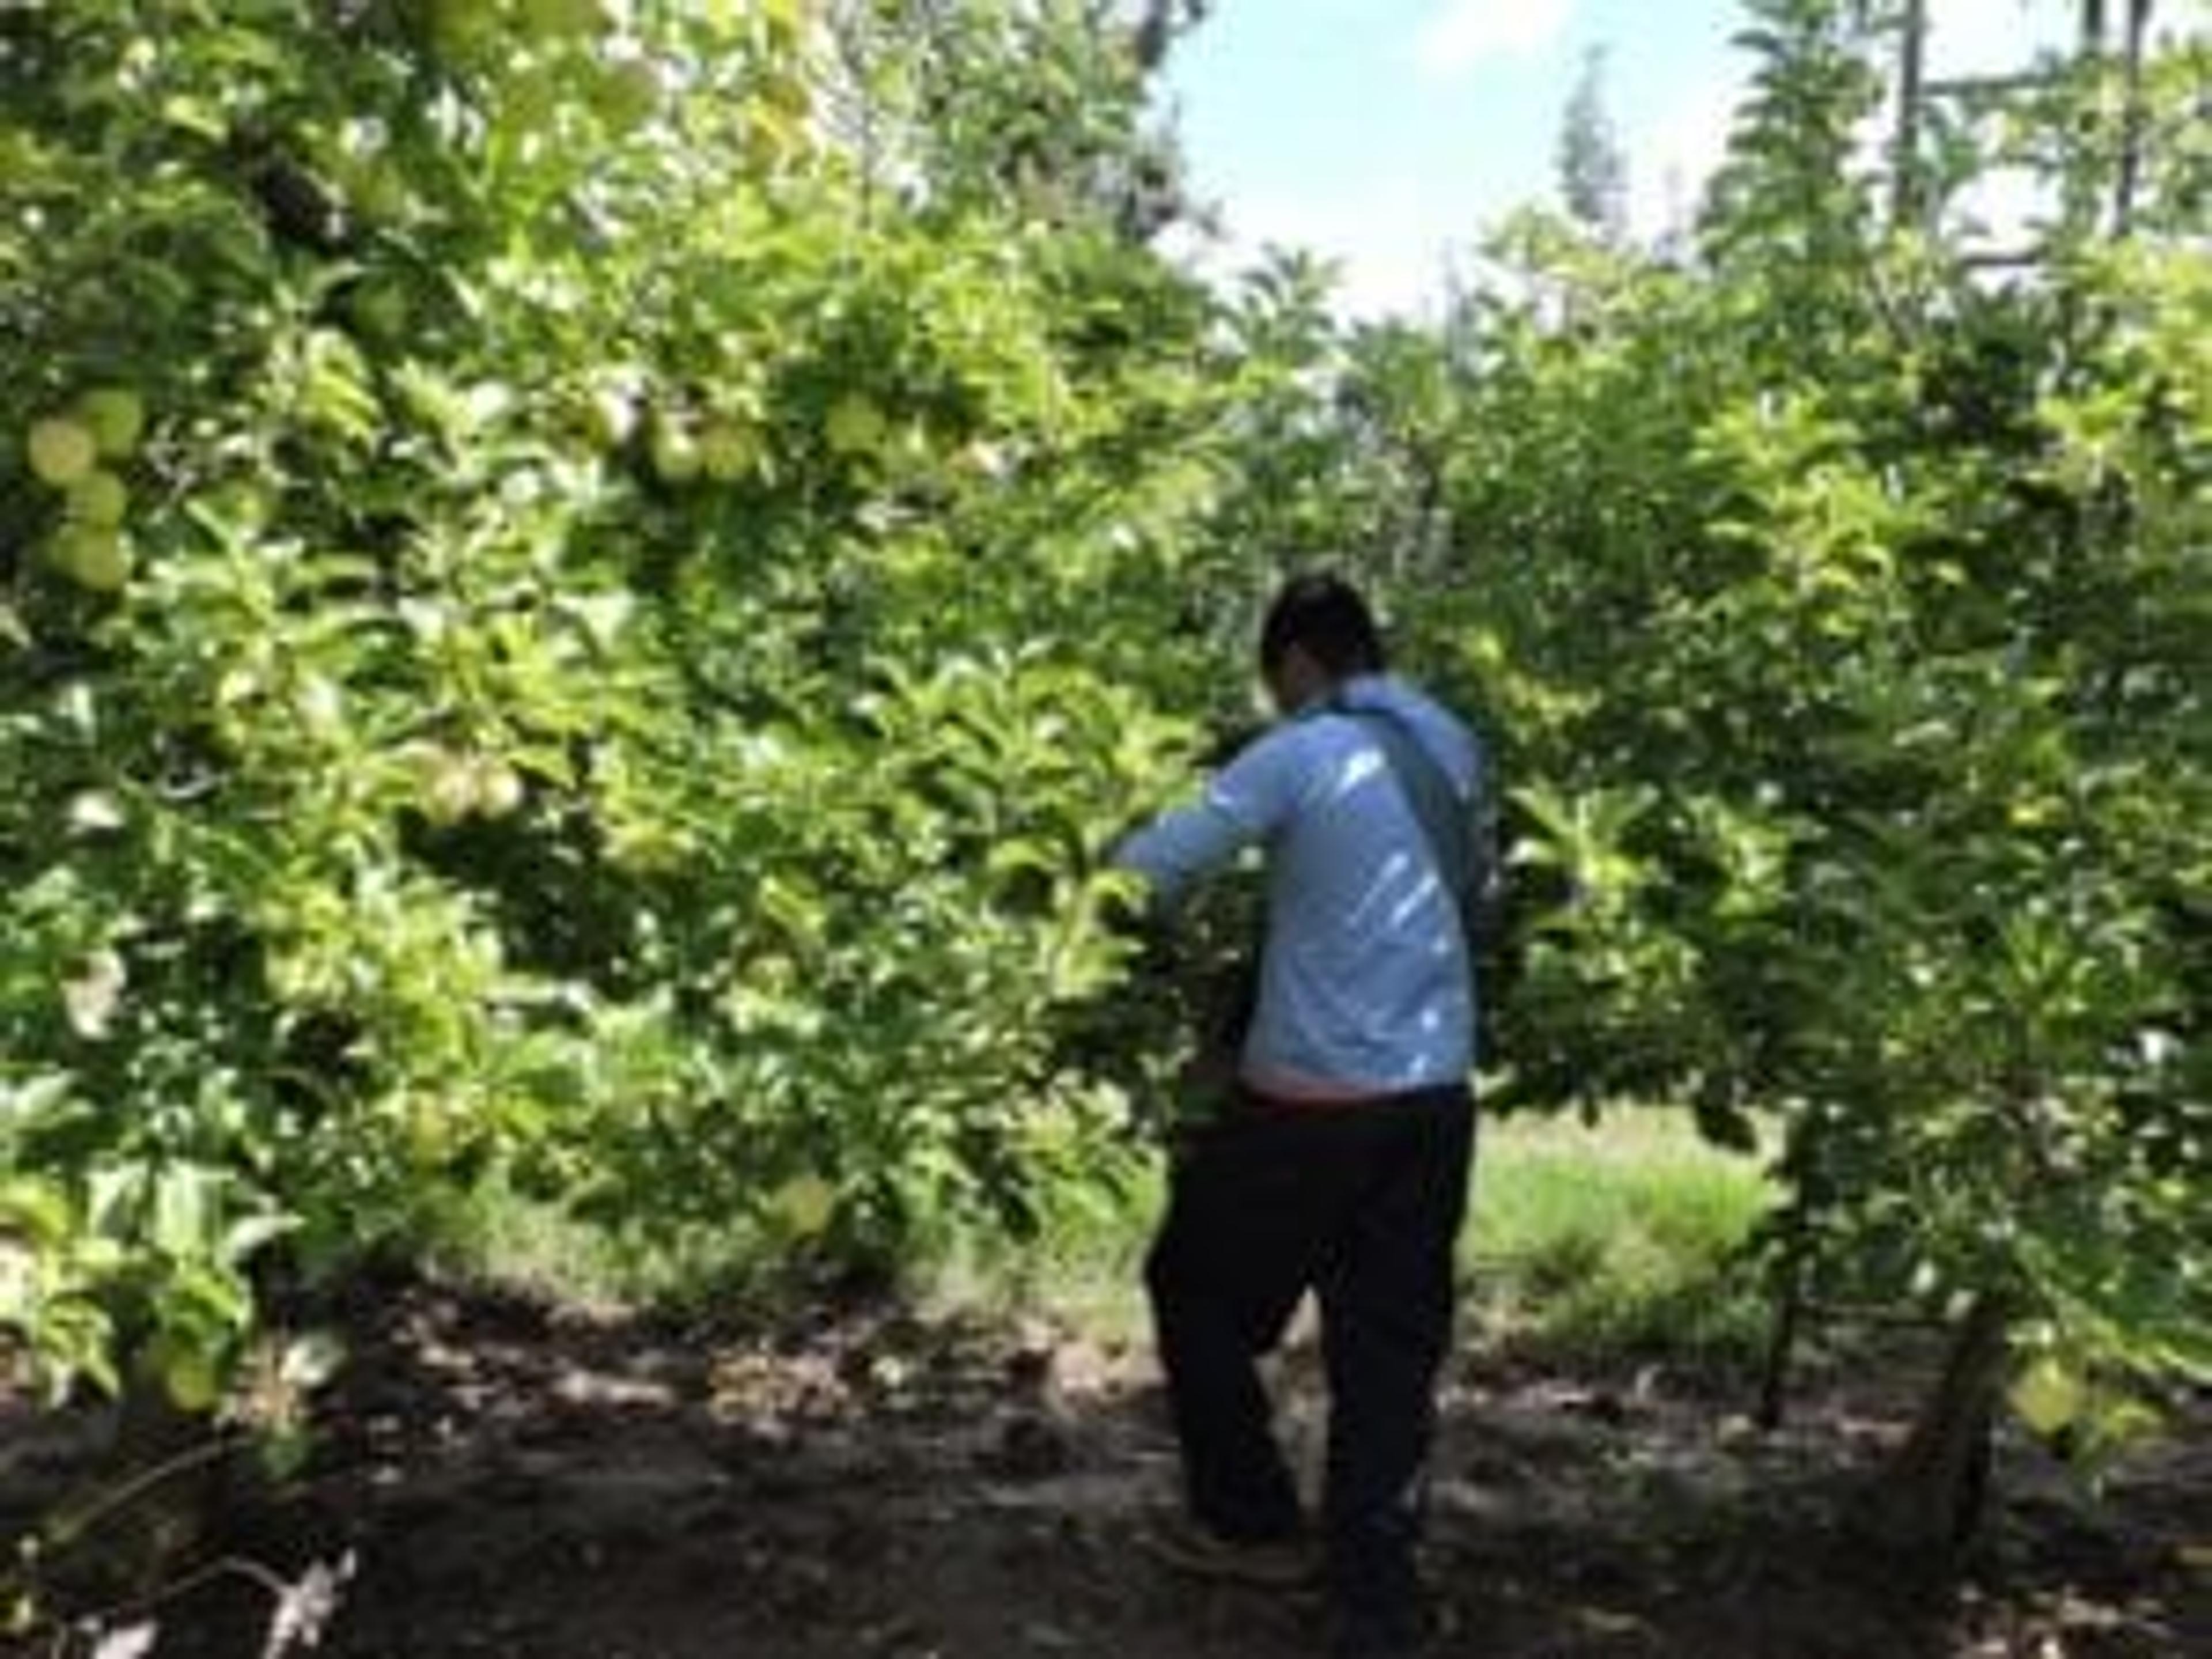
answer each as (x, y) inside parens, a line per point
(1844, 610)
(587, 583)
(621, 637)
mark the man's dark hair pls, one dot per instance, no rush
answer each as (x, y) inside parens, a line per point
(1326, 614)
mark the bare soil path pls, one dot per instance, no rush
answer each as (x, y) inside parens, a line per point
(526, 1482)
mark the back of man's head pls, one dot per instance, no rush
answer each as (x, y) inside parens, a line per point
(1324, 616)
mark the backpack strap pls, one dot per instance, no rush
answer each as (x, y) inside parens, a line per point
(1449, 824)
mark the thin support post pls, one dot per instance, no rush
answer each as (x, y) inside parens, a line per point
(1905, 203)
(2131, 122)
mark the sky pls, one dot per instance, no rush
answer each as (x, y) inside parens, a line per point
(1386, 134)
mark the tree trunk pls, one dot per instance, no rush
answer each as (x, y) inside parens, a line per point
(1926, 1504)
(1782, 1344)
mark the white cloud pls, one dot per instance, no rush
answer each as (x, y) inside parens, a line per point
(1668, 166)
(1390, 258)
(1998, 37)
(1463, 33)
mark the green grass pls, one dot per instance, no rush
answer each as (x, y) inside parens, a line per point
(1587, 1245)
(498, 1238)
(1084, 1269)
(1616, 1241)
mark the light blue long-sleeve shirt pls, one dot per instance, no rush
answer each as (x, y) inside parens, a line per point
(1365, 986)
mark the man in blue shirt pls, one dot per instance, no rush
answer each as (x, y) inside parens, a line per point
(1342, 1168)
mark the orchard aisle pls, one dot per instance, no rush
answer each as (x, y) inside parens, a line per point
(517, 1479)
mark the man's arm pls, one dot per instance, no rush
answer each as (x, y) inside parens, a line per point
(1245, 803)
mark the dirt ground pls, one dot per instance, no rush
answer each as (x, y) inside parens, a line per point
(511, 1480)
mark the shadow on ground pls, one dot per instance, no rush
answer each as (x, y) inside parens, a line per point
(515, 1480)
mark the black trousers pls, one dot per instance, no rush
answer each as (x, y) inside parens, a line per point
(1362, 1204)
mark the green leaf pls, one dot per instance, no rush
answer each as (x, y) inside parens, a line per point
(187, 1209)
(115, 1194)
(36, 1208)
